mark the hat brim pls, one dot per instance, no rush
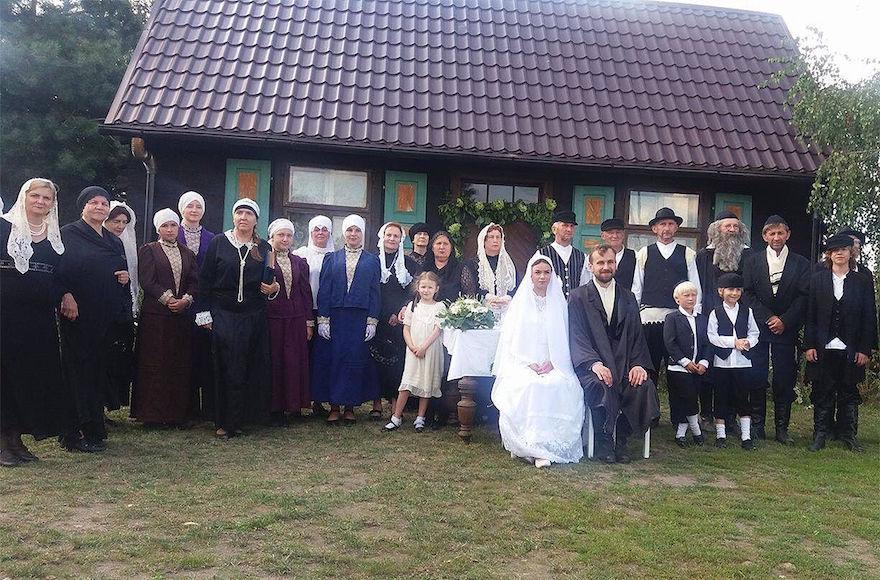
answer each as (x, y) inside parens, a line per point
(678, 220)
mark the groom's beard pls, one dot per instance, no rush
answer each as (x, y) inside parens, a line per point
(728, 250)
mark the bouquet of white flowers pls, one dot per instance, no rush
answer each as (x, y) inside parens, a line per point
(467, 314)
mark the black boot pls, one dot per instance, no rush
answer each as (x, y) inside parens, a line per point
(822, 415)
(620, 452)
(849, 417)
(781, 417)
(759, 413)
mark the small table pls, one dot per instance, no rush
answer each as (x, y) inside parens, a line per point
(472, 352)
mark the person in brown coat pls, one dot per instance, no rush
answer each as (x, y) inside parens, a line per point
(169, 277)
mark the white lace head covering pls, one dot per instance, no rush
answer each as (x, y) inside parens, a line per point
(357, 221)
(280, 224)
(164, 216)
(403, 275)
(503, 279)
(19, 244)
(129, 242)
(525, 319)
(187, 198)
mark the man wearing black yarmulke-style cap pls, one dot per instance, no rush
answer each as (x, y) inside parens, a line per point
(776, 286)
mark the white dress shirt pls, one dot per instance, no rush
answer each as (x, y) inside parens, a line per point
(565, 253)
(835, 343)
(692, 321)
(607, 294)
(656, 314)
(736, 360)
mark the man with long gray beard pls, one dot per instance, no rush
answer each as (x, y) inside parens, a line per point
(725, 253)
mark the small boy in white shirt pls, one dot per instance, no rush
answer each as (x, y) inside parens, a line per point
(733, 332)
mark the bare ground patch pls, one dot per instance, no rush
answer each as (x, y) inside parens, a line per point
(539, 564)
(85, 518)
(670, 480)
(857, 550)
(722, 482)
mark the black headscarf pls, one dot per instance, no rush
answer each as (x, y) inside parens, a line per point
(90, 193)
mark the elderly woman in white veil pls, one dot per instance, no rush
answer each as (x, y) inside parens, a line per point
(121, 221)
(491, 274)
(536, 390)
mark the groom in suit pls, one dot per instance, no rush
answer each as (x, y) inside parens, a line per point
(610, 357)
(776, 286)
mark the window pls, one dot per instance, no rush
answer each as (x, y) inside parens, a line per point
(315, 186)
(507, 192)
(643, 205)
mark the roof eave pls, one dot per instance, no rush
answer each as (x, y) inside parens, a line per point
(130, 130)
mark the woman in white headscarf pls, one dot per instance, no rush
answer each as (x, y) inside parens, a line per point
(121, 221)
(388, 348)
(490, 275)
(169, 275)
(348, 309)
(536, 391)
(33, 399)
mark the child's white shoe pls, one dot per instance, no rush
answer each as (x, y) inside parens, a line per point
(393, 424)
(419, 424)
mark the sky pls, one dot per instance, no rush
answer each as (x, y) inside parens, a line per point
(849, 27)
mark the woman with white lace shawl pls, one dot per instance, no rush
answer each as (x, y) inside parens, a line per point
(536, 391)
(34, 398)
(490, 275)
(121, 221)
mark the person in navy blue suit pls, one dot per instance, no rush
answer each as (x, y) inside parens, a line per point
(348, 312)
(687, 342)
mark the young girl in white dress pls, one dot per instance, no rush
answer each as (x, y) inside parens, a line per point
(423, 370)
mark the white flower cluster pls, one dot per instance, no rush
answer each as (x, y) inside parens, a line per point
(465, 306)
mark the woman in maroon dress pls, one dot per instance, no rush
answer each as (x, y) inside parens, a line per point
(168, 275)
(290, 326)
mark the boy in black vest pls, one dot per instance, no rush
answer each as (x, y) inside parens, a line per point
(733, 332)
(687, 342)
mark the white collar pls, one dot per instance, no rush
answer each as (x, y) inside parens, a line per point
(669, 245)
(685, 312)
(734, 308)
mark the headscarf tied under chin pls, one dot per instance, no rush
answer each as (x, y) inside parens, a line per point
(403, 275)
(19, 245)
(129, 242)
(517, 342)
(321, 221)
(503, 279)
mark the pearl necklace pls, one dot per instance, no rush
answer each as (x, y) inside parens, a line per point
(38, 230)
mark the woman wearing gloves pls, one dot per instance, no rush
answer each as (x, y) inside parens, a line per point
(348, 310)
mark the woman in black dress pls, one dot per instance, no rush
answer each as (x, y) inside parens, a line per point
(231, 285)
(838, 336)
(490, 275)
(442, 261)
(388, 348)
(33, 399)
(95, 309)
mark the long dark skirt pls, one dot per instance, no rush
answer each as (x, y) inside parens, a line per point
(33, 397)
(120, 366)
(242, 368)
(201, 374)
(86, 365)
(290, 365)
(389, 351)
(161, 391)
(344, 372)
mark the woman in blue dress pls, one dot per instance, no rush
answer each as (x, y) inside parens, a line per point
(348, 311)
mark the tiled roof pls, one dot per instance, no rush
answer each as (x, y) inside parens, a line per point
(578, 82)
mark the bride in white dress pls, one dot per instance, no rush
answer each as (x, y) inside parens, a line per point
(536, 391)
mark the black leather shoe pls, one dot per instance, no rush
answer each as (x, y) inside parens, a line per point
(85, 446)
(783, 437)
(681, 442)
(609, 458)
(699, 440)
(748, 445)
(851, 443)
(622, 456)
(8, 458)
(819, 442)
(721, 442)
(25, 454)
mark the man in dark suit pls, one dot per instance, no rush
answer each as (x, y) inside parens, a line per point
(776, 285)
(611, 358)
(613, 235)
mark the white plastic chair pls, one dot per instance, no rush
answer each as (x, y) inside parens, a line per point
(646, 450)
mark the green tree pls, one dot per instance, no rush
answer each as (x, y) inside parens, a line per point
(841, 119)
(61, 63)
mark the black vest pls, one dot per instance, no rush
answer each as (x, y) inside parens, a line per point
(569, 274)
(626, 269)
(725, 328)
(662, 276)
(837, 325)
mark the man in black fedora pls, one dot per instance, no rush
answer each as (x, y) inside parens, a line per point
(613, 235)
(569, 263)
(660, 267)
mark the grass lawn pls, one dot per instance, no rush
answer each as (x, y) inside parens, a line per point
(313, 501)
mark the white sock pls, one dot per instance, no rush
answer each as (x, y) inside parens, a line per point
(419, 422)
(694, 422)
(719, 432)
(682, 430)
(745, 426)
(395, 422)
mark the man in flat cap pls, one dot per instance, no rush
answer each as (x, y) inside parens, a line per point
(777, 282)
(660, 267)
(569, 263)
(613, 235)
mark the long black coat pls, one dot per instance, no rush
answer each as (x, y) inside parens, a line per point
(590, 344)
(859, 321)
(790, 301)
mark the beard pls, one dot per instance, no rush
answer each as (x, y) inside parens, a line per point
(728, 247)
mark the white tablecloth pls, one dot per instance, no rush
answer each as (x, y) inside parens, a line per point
(472, 351)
